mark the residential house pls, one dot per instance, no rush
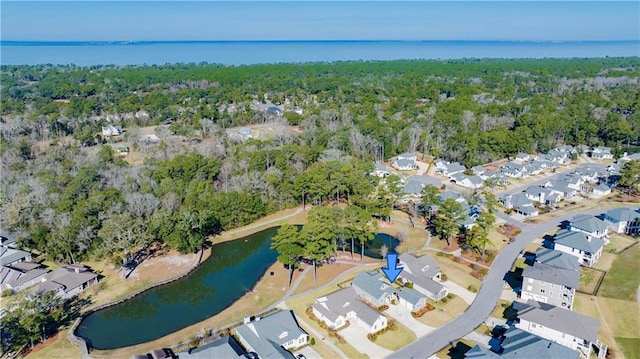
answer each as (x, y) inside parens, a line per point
(478, 170)
(341, 306)
(473, 182)
(411, 299)
(370, 287)
(470, 215)
(225, 347)
(68, 281)
(516, 343)
(627, 157)
(273, 335)
(623, 220)
(21, 275)
(450, 194)
(520, 204)
(111, 130)
(562, 188)
(538, 194)
(404, 165)
(587, 249)
(570, 329)
(602, 153)
(513, 169)
(573, 180)
(425, 180)
(600, 190)
(274, 110)
(424, 273)
(523, 157)
(550, 284)
(413, 189)
(451, 169)
(440, 164)
(408, 156)
(556, 258)
(590, 225)
(9, 256)
(534, 168)
(380, 170)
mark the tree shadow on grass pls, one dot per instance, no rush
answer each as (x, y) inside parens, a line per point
(458, 351)
(514, 279)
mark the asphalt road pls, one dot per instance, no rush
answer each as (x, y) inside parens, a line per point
(488, 295)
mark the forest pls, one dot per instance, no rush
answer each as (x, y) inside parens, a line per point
(69, 194)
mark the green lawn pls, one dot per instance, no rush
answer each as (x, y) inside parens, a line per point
(617, 242)
(589, 279)
(622, 280)
(630, 347)
(396, 339)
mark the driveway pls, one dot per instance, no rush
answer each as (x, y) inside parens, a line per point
(422, 167)
(489, 294)
(308, 353)
(357, 337)
(460, 291)
(403, 315)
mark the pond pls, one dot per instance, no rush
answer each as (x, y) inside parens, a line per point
(233, 269)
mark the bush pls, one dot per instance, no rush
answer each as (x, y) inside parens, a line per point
(444, 277)
(7, 293)
(312, 341)
(450, 295)
(408, 285)
(444, 300)
(472, 289)
(383, 307)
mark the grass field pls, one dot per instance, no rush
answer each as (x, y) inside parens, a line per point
(617, 242)
(396, 339)
(456, 351)
(457, 272)
(630, 346)
(498, 311)
(57, 347)
(623, 278)
(589, 279)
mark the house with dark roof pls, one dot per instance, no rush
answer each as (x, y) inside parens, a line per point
(272, 336)
(224, 348)
(9, 256)
(623, 220)
(21, 275)
(424, 273)
(587, 249)
(590, 225)
(341, 306)
(519, 344)
(68, 281)
(556, 258)
(550, 284)
(370, 287)
(570, 329)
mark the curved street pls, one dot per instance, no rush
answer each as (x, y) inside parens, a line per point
(489, 293)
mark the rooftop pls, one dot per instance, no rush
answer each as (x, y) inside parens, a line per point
(552, 274)
(562, 320)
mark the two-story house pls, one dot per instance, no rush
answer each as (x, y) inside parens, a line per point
(550, 284)
(592, 226)
(623, 220)
(556, 258)
(570, 329)
(519, 344)
(587, 249)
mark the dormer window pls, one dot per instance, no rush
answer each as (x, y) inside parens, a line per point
(425, 268)
(283, 334)
(346, 304)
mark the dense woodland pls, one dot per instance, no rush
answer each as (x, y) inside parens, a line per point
(68, 194)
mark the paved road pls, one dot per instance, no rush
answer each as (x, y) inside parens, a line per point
(488, 295)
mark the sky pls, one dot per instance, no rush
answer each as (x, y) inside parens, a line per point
(315, 20)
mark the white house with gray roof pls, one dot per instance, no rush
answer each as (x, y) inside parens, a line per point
(570, 329)
(556, 258)
(520, 203)
(623, 220)
(451, 169)
(473, 182)
(341, 306)
(410, 299)
(424, 273)
(272, 336)
(587, 249)
(516, 343)
(404, 165)
(370, 287)
(590, 225)
(380, 170)
(627, 157)
(9, 256)
(550, 284)
(602, 153)
(68, 281)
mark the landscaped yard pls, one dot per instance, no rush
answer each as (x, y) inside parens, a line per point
(498, 311)
(396, 339)
(444, 312)
(623, 278)
(589, 279)
(457, 272)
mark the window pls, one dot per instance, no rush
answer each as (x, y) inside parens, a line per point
(530, 280)
(550, 294)
(529, 288)
(541, 290)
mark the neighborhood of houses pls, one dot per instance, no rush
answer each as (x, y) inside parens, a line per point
(19, 272)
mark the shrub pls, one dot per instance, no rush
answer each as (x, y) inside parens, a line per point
(408, 285)
(444, 300)
(450, 295)
(443, 277)
(7, 293)
(312, 341)
(482, 271)
(383, 307)
(472, 289)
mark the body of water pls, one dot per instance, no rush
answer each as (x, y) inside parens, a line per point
(233, 269)
(254, 52)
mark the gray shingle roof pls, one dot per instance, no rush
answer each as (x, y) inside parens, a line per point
(264, 335)
(622, 215)
(455, 167)
(557, 258)
(519, 344)
(226, 348)
(588, 223)
(578, 240)
(551, 274)
(425, 180)
(420, 270)
(412, 187)
(537, 191)
(404, 163)
(560, 319)
(67, 278)
(371, 282)
(381, 167)
(344, 301)
(10, 255)
(410, 295)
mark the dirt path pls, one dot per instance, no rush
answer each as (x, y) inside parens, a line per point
(259, 224)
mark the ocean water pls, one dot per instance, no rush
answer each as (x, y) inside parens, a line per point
(254, 52)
